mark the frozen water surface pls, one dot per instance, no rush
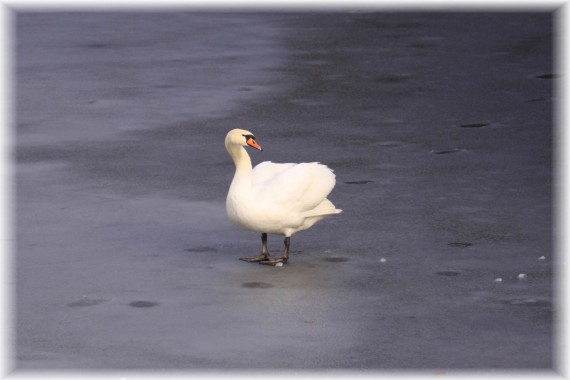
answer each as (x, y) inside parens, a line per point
(125, 258)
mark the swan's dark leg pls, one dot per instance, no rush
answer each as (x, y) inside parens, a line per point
(283, 259)
(286, 252)
(264, 252)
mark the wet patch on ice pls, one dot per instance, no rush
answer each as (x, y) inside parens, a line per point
(474, 125)
(336, 259)
(534, 100)
(363, 182)
(202, 248)
(446, 151)
(143, 304)
(87, 301)
(546, 76)
(256, 285)
(459, 244)
(482, 124)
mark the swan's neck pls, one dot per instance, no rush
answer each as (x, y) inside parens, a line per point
(242, 163)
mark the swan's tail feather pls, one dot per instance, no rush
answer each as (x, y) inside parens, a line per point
(326, 207)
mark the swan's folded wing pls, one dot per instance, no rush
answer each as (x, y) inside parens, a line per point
(268, 170)
(299, 186)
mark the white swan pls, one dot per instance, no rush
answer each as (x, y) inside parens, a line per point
(274, 198)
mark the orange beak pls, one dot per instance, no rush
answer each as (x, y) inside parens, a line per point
(251, 142)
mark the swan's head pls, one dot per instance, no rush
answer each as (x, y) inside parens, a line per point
(241, 137)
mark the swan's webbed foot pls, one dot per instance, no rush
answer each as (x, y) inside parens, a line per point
(264, 252)
(255, 259)
(274, 262)
(283, 259)
(264, 258)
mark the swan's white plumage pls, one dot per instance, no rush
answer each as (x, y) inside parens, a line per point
(267, 170)
(276, 198)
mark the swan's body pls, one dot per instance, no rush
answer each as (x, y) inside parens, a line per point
(275, 198)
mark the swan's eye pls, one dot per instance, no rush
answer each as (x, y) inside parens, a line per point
(247, 137)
